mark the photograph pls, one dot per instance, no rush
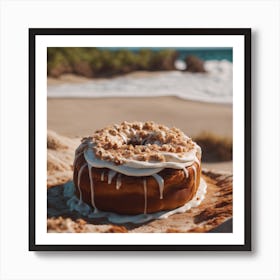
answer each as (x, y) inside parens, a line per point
(141, 133)
(140, 137)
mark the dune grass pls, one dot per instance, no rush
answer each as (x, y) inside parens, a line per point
(94, 62)
(215, 148)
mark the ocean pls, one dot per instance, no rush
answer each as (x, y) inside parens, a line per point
(215, 86)
(213, 53)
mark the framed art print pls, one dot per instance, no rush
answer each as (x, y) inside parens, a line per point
(142, 134)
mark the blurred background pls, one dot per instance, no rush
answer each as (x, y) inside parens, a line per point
(190, 88)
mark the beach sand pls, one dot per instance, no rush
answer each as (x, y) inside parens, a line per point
(70, 119)
(214, 211)
(80, 117)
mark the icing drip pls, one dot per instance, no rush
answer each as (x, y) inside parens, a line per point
(186, 172)
(160, 182)
(85, 210)
(111, 175)
(194, 169)
(119, 181)
(145, 196)
(124, 169)
(79, 180)
(141, 168)
(76, 158)
(91, 186)
(138, 168)
(197, 161)
(102, 176)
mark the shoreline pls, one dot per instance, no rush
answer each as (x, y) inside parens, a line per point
(199, 87)
(75, 79)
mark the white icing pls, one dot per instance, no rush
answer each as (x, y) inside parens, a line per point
(137, 168)
(194, 170)
(197, 199)
(142, 168)
(126, 170)
(79, 180)
(186, 172)
(197, 161)
(91, 186)
(102, 176)
(68, 189)
(84, 209)
(145, 195)
(119, 181)
(160, 182)
(111, 175)
(74, 204)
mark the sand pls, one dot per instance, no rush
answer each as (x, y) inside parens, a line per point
(70, 119)
(79, 117)
(61, 153)
(212, 213)
(215, 209)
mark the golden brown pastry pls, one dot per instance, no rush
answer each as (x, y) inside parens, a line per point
(137, 168)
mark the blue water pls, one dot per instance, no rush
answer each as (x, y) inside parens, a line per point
(218, 53)
(213, 86)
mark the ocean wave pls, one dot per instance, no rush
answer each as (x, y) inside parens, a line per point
(213, 86)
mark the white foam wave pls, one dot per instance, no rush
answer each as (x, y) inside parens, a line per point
(213, 86)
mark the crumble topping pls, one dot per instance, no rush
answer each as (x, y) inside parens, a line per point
(138, 141)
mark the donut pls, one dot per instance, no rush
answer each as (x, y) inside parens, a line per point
(137, 168)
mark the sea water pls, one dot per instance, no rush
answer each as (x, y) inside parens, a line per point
(204, 53)
(213, 86)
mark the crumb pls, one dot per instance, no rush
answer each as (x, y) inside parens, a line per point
(138, 141)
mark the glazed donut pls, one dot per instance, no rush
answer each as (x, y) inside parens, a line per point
(137, 168)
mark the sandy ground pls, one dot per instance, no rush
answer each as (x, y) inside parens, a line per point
(223, 166)
(61, 153)
(81, 116)
(212, 213)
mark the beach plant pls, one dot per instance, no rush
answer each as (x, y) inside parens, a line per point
(163, 60)
(105, 62)
(57, 63)
(215, 148)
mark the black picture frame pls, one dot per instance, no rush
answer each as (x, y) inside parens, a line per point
(246, 32)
